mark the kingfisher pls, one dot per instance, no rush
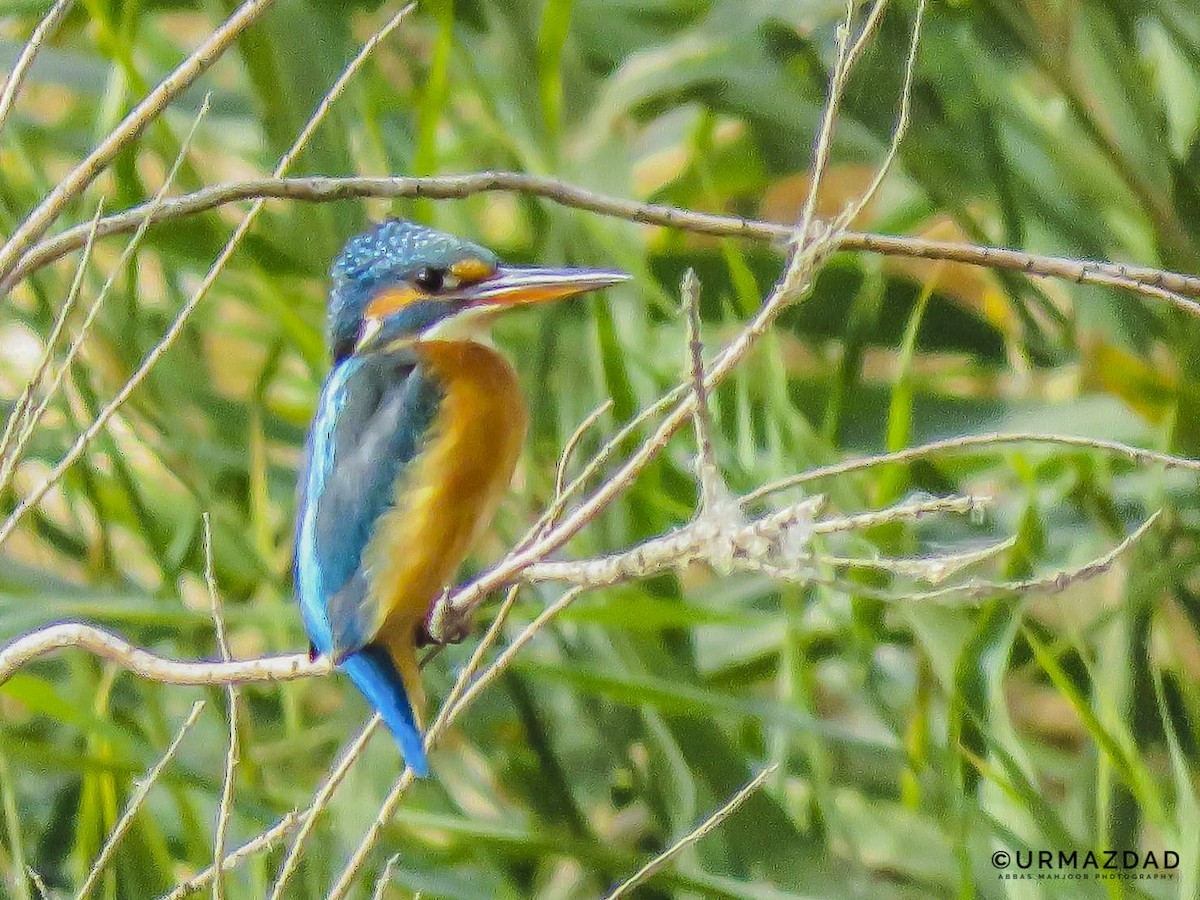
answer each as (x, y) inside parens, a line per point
(414, 441)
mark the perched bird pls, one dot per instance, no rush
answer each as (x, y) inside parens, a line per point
(413, 443)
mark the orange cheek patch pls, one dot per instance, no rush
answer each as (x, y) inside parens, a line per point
(390, 301)
(469, 271)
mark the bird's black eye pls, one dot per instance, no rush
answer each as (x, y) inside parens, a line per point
(430, 280)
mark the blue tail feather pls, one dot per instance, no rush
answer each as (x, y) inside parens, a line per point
(373, 672)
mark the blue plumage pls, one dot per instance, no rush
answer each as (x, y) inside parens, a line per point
(373, 673)
(373, 413)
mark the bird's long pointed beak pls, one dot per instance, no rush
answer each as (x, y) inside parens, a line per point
(504, 288)
(523, 285)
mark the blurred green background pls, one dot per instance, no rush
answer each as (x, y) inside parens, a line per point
(913, 740)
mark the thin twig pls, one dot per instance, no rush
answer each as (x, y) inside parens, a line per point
(23, 419)
(713, 491)
(867, 32)
(225, 810)
(902, 121)
(264, 841)
(38, 883)
(1155, 283)
(1050, 584)
(70, 187)
(30, 423)
(932, 569)
(16, 79)
(321, 799)
(504, 660)
(964, 504)
(141, 791)
(559, 504)
(650, 869)
(385, 877)
(973, 442)
(464, 679)
(564, 459)
(12, 825)
(846, 58)
(218, 266)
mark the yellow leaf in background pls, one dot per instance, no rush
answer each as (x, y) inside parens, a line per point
(840, 187)
(972, 287)
(673, 159)
(235, 357)
(1147, 389)
(976, 289)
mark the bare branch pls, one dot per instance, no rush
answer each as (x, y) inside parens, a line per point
(29, 423)
(778, 541)
(38, 883)
(81, 636)
(724, 546)
(1149, 282)
(70, 187)
(973, 442)
(915, 509)
(795, 282)
(321, 800)
(650, 869)
(932, 569)
(225, 808)
(176, 328)
(713, 491)
(1057, 583)
(559, 504)
(23, 417)
(264, 841)
(901, 128)
(833, 101)
(811, 246)
(504, 660)
(141, 791)
(464, 600)
(385, 877)
(564, 459)
(16, 79)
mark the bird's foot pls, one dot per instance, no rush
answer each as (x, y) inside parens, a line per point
(443, 626)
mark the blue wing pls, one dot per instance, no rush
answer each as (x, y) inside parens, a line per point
(373, 414)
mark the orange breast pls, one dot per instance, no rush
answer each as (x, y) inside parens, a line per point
(452, 489)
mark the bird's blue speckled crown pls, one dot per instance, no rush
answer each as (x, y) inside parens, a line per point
(389, 253)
